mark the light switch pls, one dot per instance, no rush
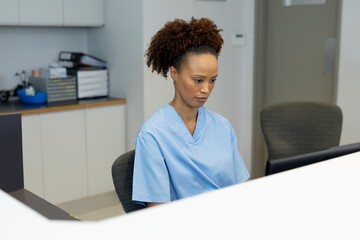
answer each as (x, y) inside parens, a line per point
(238, 39)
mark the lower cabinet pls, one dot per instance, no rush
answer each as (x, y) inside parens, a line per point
(105, 130)
(32, 154)
(64, 155)
(68, 154)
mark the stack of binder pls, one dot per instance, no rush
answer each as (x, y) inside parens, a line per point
(78, 60)
(91, 82)
(57, 89)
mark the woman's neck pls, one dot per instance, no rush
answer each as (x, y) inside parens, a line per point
(187, 114)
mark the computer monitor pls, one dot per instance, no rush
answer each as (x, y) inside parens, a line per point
(11, 156)
(283, 164)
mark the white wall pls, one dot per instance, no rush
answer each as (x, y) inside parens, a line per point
(120, 43)
(348, 94)
(232, 95)
(26, 48)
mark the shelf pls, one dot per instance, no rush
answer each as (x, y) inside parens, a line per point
(28, 109)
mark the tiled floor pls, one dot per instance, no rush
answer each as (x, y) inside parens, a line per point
(94, 208)
(102, 214)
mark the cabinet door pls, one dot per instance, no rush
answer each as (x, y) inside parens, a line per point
(32, 155)
(41, 12)
(9, 14)
(64, 156)
(83, 12)
(105, 128)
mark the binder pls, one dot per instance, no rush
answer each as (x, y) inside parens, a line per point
(69, 56)
(78, 59)
(69, 64)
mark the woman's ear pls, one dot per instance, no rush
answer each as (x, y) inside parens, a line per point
(173, 73)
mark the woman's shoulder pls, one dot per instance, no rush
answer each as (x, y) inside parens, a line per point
(156, 121)
(215, 117)
(218, 123)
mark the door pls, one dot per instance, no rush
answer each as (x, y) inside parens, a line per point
(296, 39)
(289, 61)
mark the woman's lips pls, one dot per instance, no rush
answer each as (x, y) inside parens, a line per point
(202, 99)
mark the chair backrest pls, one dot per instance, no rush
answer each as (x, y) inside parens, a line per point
(11, 158)
(294, 128)
(122, 173)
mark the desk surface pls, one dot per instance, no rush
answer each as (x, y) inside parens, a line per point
(319, 201)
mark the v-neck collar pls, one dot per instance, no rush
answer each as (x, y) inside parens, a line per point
(198, 127)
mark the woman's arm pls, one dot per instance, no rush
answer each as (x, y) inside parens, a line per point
(154, 204)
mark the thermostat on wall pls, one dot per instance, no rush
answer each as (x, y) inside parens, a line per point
(238, 39)
(289, 3)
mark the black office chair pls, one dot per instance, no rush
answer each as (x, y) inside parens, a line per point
(294, 128)
(122, 173)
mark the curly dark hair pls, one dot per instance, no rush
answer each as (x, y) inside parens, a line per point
(171, 45)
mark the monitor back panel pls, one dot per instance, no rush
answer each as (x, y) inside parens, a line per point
(11, 156)
(283, 164)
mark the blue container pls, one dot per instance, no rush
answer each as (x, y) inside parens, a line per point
(38, 98)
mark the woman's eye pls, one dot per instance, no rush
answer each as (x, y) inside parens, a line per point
(213, 80)
(198, 81)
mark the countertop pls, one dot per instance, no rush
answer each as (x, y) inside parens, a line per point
(27, 109)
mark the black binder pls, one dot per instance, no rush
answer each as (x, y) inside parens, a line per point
(78, 59)
(70, 56)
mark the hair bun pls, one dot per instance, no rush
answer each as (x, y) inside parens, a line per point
(178, 36)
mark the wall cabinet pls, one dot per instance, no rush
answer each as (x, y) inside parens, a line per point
(87, 13)
(9, 14)
(40, 12)
(68, 154)
(83, 12)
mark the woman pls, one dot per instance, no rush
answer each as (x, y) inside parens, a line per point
(184, 149)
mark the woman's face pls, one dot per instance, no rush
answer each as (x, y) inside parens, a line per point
(195, 80)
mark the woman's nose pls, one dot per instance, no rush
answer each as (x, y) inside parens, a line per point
(205, 88)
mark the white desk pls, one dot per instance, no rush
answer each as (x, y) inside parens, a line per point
(321, 201)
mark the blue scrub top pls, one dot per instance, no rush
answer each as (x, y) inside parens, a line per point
(171, 164)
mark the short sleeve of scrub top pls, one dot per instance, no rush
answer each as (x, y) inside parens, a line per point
(152, 174)
(171, 164)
